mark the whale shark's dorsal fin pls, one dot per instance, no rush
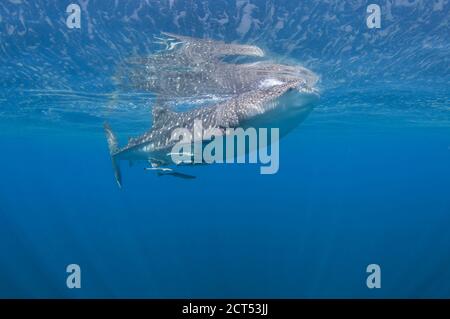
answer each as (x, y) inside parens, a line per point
(160, 114)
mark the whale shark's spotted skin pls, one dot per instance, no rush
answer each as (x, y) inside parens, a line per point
(194, 67)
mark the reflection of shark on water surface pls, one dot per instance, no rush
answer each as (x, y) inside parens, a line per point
(269, 96)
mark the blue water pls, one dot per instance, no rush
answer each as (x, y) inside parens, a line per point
(365, 179)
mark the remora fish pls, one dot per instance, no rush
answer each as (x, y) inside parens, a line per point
(275, 104)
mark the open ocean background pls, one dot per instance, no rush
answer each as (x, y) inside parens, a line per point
(365, 179)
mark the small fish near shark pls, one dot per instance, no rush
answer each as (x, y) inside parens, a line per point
(271, 99)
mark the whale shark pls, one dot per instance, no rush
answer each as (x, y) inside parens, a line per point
(274, 104)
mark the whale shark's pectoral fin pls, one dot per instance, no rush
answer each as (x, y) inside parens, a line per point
(161, 113)
(162, 171)
(156, 162)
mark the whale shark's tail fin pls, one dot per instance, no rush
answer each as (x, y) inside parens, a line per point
(113, 148)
